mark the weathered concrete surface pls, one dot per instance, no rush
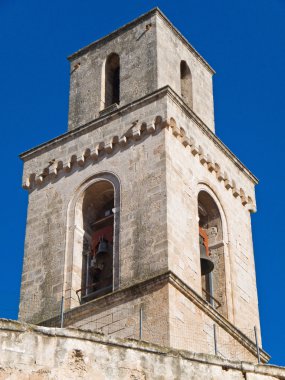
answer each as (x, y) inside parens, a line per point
(28, 352)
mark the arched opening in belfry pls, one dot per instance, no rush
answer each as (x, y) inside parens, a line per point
(97, 247)
(186, 84)
(112, 80)
(212, 252)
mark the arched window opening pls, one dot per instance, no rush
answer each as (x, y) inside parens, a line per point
(212, 252)
(98, 225)
(112, 80)
(186, 84)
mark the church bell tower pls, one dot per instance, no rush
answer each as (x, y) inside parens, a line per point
(139, 216)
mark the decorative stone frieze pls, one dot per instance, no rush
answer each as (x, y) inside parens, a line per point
(212, 166)
(137, 131)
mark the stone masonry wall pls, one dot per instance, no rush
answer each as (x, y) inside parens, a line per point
(187, 174)
(150, 51)
(143, 169)
(163, 315)
(49, 254)
(136, 48)
(38, 353)
(171, 50)
(198, 331)
(122, 319)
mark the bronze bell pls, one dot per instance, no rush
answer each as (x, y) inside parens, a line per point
(102, 247)
(207, 264)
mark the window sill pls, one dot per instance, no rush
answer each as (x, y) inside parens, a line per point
(112, 107)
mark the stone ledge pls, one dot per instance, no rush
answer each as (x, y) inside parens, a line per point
(111, 108)
(138, 131)
(217, 317)
(212, 136)
(149, 285)
(110, 299)
(160, 93)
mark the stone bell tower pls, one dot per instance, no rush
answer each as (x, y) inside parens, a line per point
(139, 207)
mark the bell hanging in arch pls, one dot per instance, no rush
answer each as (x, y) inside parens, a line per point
(102, 247)
(207, 264)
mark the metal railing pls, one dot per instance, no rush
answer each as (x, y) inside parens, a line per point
(96, 293)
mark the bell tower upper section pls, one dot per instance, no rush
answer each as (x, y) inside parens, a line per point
(135, 61)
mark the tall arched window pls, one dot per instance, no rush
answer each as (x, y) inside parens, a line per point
(112, 80)
(212, 252)
(92, 241)
(186, 84)
(97, 250)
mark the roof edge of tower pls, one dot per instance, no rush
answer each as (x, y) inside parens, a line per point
(136, 21)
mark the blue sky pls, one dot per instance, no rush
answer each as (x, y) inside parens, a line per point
(244, 41)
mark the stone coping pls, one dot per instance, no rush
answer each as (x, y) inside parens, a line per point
(12, 326)
(132, 24)
(148, 285)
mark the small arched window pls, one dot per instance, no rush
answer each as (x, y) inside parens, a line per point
(186, 84)
(212, 252)
(112, 80)
(98, 226)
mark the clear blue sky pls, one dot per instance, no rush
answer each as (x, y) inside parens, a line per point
(244, 41)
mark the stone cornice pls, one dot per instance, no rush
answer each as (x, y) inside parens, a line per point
(216, 316)
(132, 24)
(159, 280)
(136, 132)
(117, 296)
(212, 136)
(94, 124)
(211, 165)
(100, 121)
